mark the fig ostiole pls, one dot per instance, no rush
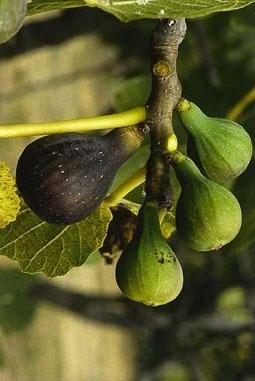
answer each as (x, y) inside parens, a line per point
(148, 271)
(64, 178)
(224, 147)
(208, 216)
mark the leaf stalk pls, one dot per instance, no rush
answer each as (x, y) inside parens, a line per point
(123, 119)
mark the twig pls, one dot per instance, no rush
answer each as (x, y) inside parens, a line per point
(241, 105)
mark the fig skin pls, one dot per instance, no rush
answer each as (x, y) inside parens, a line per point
(223, 147)
(148, 271)
(64, 178)
(208, 216)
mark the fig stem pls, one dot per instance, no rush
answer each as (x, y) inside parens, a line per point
(241, 105)
(177, 158)
(183, 105)
(122, 119)
(116, 196)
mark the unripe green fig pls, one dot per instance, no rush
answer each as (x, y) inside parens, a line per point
(208, 216)
(224, 147)
(148, 270)
(63, 178)
(12, 16)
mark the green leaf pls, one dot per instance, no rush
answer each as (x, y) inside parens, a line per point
(127, 10)
(132, 93)
(12, 17)
(16, 308)
(131, 166)
(41, 6)
(9, 200)
(131, 206)
(168, 225)
(53, 249)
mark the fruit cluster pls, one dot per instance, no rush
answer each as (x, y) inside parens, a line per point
(64, 178)
(208, 215)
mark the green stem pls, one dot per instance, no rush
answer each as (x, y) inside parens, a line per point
(241, 105)
(122, 119)
(126, 187)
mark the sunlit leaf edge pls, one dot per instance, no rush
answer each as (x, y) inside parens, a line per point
(128, 10)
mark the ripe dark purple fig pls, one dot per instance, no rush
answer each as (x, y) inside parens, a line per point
(63, 178)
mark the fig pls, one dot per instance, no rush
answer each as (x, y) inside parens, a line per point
(148, 271)
(208, 216)
(63, 178)
(224, 147)
(12, 17)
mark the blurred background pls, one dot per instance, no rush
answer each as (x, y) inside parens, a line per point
(77, 327)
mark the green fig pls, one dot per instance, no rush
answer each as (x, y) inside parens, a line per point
(148, 270)
(208, 216)
(63, 178)
(12, 17)
(224, 147)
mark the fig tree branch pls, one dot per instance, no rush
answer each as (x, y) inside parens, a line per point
(164, 97)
